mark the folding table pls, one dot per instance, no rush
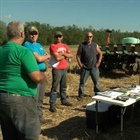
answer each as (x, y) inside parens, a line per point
(122, 104)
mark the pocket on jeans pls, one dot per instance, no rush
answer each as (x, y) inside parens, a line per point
(4, 96)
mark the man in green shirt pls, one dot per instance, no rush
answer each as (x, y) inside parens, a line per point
(19, 76)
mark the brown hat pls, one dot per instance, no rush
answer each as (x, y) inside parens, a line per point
(32, 29)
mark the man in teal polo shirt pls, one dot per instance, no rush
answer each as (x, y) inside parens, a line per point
(19, 75)
(41, 57)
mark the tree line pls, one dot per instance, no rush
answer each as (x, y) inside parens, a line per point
(73, 35)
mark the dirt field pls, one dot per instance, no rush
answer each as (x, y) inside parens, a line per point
(68, 123)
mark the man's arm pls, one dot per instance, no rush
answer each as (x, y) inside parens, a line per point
(41, 58)
(38, 76)
(99, 52)
(78, 56)
(58, 56)
(68, 54)
(30, 66)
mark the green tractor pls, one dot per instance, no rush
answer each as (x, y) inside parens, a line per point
(124, 56)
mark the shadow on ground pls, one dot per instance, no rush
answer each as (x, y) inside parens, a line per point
(67, 130)
(75, 128)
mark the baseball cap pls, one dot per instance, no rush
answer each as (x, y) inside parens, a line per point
(58, 33)
(32, 29)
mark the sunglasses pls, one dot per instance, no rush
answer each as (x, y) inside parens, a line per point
(58, 36)
(33, 33)
(89, 36)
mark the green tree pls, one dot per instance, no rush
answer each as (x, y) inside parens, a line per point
(73, 35)
(3, 37)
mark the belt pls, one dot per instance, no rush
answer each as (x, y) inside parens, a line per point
(15, 94)
(2, 91)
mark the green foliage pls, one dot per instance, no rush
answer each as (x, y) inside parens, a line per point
(3, 37)
(72, 34)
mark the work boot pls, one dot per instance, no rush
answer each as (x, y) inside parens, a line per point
(67, 104)
(52, 108)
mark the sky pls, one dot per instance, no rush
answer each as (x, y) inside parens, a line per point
(123, 15)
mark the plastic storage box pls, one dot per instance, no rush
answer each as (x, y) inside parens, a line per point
(103, 115)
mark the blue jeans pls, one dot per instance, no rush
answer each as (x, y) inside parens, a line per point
(59, 77)
(41, 88)
(19, 117)
(94, 73)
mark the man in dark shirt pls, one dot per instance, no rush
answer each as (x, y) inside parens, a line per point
(87, 60)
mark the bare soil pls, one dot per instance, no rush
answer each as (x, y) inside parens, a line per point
(69, 123)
